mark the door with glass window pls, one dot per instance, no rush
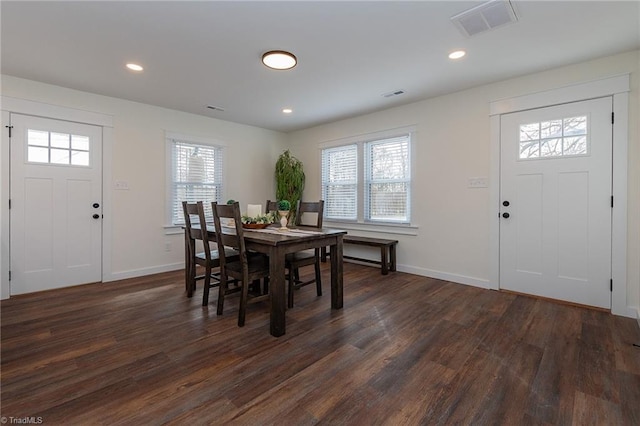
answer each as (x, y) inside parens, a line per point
(555, 189)
(56, 204)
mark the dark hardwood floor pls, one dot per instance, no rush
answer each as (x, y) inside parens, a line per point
(404, 350)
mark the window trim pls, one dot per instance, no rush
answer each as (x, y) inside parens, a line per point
(169, 227)
(361, 140)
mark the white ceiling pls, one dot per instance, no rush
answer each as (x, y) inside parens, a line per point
(199, 53)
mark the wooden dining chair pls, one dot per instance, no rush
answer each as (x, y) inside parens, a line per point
(246, 269)
(209, 258)
(294, 261)
(271, 206)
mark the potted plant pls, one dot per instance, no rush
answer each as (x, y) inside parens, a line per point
(284, 207)
(290, 180)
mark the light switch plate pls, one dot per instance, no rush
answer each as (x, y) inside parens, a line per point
(121, 185)
(478, 182)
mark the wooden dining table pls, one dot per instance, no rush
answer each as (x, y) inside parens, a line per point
(277, 244)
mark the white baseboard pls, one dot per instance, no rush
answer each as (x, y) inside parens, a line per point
(627, 311)
(133, 273)
(446, 276)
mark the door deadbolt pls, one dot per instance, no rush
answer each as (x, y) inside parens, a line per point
(504, 203)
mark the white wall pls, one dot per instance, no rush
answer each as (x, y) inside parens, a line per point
(452, 145)
(138, 239)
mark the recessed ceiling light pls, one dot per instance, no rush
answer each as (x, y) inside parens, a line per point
(279, 60)
(287, 110)
(457, 54)
(134, 67)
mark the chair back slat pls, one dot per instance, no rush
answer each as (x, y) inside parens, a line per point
(271, 206)
(310, 207)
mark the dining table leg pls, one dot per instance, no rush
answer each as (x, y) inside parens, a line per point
(336, 274)
(277, 292)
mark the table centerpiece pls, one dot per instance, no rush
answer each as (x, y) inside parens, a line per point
(258, 222)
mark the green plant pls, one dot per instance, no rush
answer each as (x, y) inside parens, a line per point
(231, 201)
(262, 219)
(289, 180)
(284, 205)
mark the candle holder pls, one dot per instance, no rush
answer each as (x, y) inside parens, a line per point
(254, 210)
(283, 219)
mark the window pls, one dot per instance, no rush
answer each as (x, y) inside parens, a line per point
(387, 180)
(340, 182)
(563, 137)
(196, 175)
(369, 180)
(57, 148)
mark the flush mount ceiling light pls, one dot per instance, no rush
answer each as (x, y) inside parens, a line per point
(134, 67)
(279, 60)
(287, 110)
(457, 54)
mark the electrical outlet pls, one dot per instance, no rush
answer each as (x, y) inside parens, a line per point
(167, 246)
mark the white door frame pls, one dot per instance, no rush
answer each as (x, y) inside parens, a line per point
(618, 88)
(26, 107)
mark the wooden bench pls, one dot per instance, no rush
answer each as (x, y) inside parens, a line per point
(387, 251)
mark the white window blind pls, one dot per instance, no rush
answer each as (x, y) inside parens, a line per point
(340, 182)
(387, 180)
(197, 174)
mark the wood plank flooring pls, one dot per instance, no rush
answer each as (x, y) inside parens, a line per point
(405, 350)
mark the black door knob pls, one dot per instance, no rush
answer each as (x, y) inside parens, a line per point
(505, 203)
(505, 215)
(96, 205)
(96, 216)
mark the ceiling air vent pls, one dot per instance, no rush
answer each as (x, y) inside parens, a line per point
(394, 93)
(215, 108)
(485, 17)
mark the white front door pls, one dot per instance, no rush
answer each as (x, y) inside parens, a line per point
(56, 204)
(555, 191)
